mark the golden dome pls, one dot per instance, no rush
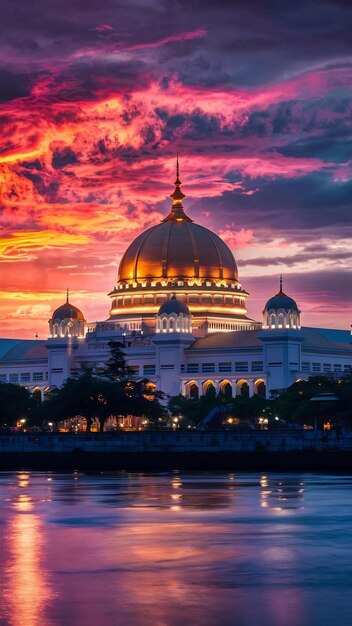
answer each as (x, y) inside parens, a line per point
(177, 249)
(67, 311)
(179, 256)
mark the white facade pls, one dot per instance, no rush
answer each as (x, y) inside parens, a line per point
(177, 362)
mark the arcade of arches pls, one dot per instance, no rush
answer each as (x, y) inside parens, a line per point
(229, 388)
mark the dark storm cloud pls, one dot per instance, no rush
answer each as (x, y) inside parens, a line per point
(248, 43)
(294, 204)
(64, 157)
(335, 258)
(334, 146)
(13, 85)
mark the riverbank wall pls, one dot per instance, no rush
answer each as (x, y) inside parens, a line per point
(168, 450)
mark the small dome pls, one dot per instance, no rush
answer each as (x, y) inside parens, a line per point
(67, 321)
(281, 311)
(68, 311)
(281, 301)
(174, 306)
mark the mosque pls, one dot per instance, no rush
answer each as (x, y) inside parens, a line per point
(179, 311)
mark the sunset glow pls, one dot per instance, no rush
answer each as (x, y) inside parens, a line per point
(94, 104)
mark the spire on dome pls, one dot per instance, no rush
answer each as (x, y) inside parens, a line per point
(280, 284)
(177, 213)
(67, 295)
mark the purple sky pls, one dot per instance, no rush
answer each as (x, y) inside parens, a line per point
(97, 97)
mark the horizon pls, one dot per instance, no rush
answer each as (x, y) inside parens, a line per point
(96, 101)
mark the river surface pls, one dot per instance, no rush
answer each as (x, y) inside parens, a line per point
(175, 549)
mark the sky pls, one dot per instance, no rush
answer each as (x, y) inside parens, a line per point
(96, 98)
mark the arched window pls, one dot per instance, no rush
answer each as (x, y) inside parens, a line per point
(193, 391)
(245, 390)
(210, 391)
(226, 389)
(272, 321)
(261, 389)
(164, 325)
(171, 325)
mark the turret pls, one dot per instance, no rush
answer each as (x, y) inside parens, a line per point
(280, 312)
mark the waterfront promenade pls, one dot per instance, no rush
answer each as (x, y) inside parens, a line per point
(178, 450)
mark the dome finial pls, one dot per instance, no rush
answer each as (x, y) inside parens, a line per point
(67, 295)
(177, 212)
(177, 196)
(280, 283)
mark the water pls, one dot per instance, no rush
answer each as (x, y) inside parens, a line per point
(175, 549)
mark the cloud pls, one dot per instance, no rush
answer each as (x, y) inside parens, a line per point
(95, 103)
(32, 311)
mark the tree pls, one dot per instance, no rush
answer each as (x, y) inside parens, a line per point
(92, 397)
(87, 396)
(116, 368)
(15, 403)
(294, 403)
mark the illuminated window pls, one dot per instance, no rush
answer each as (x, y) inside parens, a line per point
(241, 366)
(208, 367)
(225, 366)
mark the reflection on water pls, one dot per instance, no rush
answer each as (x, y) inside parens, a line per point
(175, 549)
(281, 494)
(26, 589)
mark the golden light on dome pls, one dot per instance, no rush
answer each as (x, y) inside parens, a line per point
(178, 255)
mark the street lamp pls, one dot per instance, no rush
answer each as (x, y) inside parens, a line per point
(322, 397)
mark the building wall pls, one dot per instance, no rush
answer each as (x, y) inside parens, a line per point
(173, 365)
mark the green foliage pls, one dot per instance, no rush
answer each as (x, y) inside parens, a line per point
(294, 404)
(116, 368)
(242, 407)
(15, 403)
(290, 405)
(92, 397)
